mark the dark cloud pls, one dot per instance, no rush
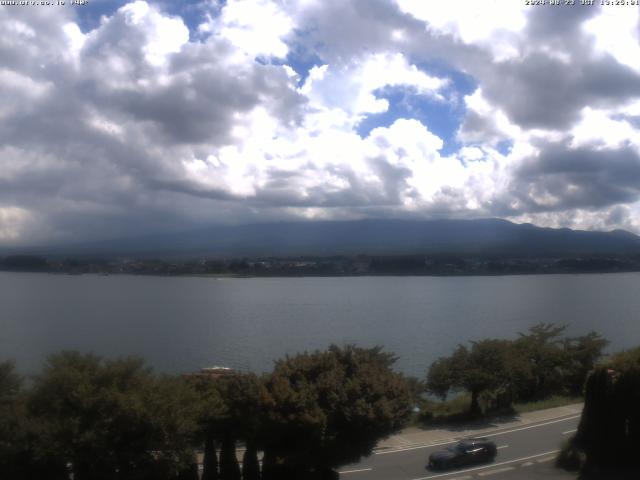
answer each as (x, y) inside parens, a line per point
(539, 91)
(556, 74)
(562, 178)
(563, 24)
(200, 95)
(282, 188)
(338, 30)
(477, 128)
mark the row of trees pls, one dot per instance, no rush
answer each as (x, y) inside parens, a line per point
(116, 419)
(539, 363)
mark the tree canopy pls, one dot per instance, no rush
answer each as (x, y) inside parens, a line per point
(112, 419)
(537, 364)
(330, 408)
(483, 367)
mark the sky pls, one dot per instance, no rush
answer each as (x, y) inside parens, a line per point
(124, 118)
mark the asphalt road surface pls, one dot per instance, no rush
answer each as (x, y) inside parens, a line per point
(525, 452)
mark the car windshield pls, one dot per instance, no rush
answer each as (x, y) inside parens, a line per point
(459, 449)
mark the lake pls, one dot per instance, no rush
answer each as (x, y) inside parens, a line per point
(180, 324)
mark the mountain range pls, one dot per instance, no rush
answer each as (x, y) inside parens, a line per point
(481, 237)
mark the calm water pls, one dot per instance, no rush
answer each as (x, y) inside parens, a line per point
(182, 324)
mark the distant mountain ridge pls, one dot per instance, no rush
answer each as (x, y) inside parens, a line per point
(483, 237)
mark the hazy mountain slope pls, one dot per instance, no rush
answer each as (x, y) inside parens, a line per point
(460, 237)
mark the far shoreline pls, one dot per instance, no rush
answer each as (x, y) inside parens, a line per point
(321, 275)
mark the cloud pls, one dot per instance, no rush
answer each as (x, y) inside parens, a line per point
(352, 88)
(562, 178)
(494, 24)
(14, 223)
(545, 92)
(254, 28)
(149, 121)
(616, 32)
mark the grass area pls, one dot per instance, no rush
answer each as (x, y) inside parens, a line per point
(455, 406)
(456, 410)
(551, 402)
(449, 411)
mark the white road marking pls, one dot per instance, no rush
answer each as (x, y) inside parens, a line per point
(531, 426)
(546, 459)
(526, 464)
(503, 446)
(356, 471)
(488, 466)
(416, 448)
(482, 435)
(569, 431)
(493, 472)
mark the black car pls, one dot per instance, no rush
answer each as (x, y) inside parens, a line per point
(465, 453)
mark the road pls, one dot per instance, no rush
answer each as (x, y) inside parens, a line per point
(523, 452)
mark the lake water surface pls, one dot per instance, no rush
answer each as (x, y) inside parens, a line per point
(183, 323)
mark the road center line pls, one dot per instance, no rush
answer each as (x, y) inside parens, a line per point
(415, 448)
(356, 471)
(530, 426)
(493, 472)
(569, 431)
(492, 465)
(546, 459)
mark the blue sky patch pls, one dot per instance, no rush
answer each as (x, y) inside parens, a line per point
(504, 146)
(300, 58)
(89, 15)
(192, 13)
(634, 120)
(442, 118)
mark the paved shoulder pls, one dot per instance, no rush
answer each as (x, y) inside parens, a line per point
(414, 437)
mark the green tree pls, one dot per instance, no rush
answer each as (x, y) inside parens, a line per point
(445, 374)
(230, 412)
(22, 455)
(10, 382)
(544, 360)
(325, 409)
(243, 393)
(416, 388)
(113, 419)
(212, 409)
(581, 355)
(13, 440)
(552, 364)
(172, 406)
(625, 361)
(219, 419)
(485, 367)
(537, 364)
